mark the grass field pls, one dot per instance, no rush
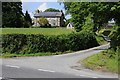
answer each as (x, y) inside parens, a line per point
(45, 31)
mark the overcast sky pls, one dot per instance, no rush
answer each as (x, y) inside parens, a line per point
(32, 6)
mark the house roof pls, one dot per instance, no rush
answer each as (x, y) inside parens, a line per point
(48, 14)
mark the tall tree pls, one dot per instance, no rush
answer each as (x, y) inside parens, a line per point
(28, 18)
(12, 14)
(51, 10)
(102, 12)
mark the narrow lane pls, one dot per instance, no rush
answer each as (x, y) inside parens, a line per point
(53, 66)
(12, 72)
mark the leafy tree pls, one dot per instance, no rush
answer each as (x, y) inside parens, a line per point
(28, 19)
(43, 22)
(51, 10)
(12, 14)
(102, 12)
(75, 9)
(38, 11)
(67, 22)
(88, 25)
(114, 50)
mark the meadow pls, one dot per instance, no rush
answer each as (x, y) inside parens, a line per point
(45, 31)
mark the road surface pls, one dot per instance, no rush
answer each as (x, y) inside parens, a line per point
(57, 66)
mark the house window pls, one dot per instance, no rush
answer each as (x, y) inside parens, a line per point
(54, 24)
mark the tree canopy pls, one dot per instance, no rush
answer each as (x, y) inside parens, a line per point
(28, 18)
(51, 10)
(12, 14)
(43, 22)
(101, 12)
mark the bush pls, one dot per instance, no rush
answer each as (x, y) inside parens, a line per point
(115, 39)
(46, 26)
(44, 23)
(13, 43)
(34, 43)
(27, 24)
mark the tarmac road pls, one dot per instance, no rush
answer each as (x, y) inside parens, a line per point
(57, 66)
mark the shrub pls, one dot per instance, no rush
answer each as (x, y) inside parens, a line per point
(13, 43)
(44, 23)
(115, 39)
(27, 24)
(34, 43)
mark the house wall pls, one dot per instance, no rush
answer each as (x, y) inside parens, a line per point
(54, 21)
(36, 23)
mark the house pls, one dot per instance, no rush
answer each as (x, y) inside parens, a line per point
(54, 18)
(70, 26)
(110, 24)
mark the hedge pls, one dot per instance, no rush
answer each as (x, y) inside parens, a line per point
(35, 43)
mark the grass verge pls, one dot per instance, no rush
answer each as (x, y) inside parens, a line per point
(102, 62)
(11, 55)
(100, 40)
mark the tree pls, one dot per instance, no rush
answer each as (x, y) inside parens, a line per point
(67, 22)
(12, 14)
(78, 13)
(51, 10)
(28, 19)
(88, 25)
(102, 12)
(37, 11)
(43, 22)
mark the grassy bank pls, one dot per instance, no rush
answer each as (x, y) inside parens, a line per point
(11, 55)
(100, 40)
(102, 62)
(45, 31)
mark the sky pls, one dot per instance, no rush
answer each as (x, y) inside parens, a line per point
(32, 6)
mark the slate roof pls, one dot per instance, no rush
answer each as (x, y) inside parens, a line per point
(48, 14)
